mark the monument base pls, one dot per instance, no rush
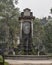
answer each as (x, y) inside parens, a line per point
(28, 57)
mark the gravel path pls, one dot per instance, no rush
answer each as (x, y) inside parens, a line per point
(29, 61)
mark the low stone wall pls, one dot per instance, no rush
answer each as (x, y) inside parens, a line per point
(30, 64)
(28, 57)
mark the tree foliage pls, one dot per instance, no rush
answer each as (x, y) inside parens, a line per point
(48, 39)
(9, 25)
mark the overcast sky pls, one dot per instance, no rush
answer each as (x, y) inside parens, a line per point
(40, 8)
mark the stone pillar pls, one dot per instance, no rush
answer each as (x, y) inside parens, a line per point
(32, 27)
(21, 29)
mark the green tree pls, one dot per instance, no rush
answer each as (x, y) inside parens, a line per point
(48, 39)
(39, 36)
(9, 20)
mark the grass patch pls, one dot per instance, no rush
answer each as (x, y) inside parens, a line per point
(1, 60)
(6, 63)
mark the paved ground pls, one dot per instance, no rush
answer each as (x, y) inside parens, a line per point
(29, 62)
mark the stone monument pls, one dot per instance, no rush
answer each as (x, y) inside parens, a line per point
(26, 31)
